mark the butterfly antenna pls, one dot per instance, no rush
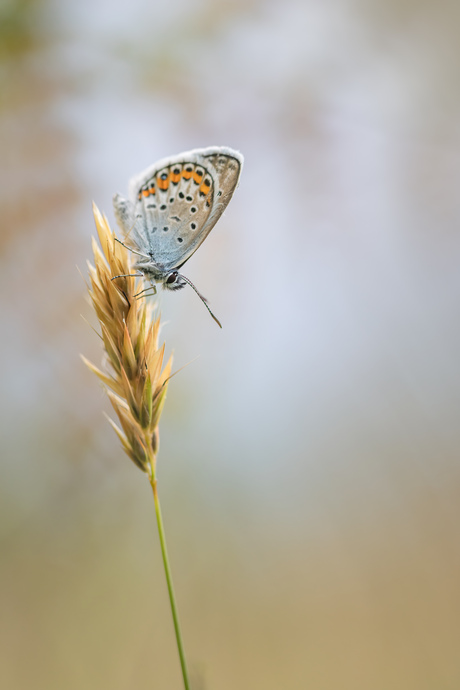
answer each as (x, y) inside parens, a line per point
(203, 299)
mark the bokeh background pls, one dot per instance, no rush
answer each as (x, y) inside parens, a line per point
(309, 465)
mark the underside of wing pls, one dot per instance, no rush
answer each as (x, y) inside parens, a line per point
(178, 200)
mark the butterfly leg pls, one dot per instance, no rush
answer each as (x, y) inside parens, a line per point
(128, 275)
(151, 287)
(130, 249)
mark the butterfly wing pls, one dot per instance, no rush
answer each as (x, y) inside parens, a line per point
(178, 201)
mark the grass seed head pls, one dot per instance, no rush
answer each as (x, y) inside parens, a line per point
(134, 377)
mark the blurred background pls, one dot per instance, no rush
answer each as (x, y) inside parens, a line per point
(309, 465)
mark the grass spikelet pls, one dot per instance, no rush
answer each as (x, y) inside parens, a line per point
(130, 339)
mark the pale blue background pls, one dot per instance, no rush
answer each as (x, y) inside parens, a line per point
(309, 463)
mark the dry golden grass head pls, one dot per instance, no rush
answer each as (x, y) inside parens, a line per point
(135, 381)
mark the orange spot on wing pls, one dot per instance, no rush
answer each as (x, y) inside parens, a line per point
(163, 184)
(186, 175)
(197, 177)
(175, 178)
(145, 192)
(204, 189)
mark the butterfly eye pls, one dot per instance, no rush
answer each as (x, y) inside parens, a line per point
(172, 278)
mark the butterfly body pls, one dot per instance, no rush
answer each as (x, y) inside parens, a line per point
(172, 207)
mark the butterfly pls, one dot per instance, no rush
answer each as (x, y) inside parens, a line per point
(172, 207)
